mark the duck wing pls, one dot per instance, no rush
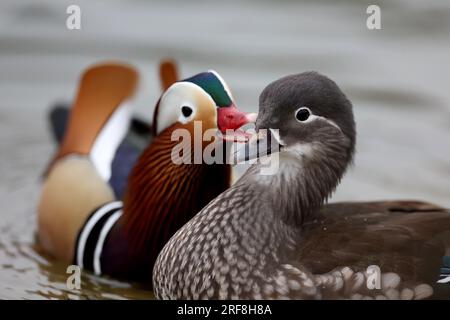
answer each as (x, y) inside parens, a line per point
(407, 238)
(139, 134)
(168, 73)
(138, 137)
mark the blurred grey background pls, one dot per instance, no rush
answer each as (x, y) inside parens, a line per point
(398, 79)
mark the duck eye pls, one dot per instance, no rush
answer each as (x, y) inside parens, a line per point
(186, 111)
(302, 114)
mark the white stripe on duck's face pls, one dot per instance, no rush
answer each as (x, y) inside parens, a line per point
(185, 102)
(296, 134)
(308, 108)
(225, 85)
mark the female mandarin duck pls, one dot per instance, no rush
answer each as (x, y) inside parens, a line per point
(80, 219)
(268, 236)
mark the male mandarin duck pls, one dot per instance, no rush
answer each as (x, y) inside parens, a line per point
(138, 137)
(269, 237)
(79, 218)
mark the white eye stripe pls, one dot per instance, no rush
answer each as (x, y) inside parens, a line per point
(334, 124)
(313, 117)
(178, 95)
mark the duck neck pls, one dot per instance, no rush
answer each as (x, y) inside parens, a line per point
(299, 188)
(162, 196)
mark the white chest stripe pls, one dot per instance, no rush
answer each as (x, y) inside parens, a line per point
(88, 228)
(445, 280)
(101, 240)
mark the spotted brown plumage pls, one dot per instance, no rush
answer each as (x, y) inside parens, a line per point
(271, 237)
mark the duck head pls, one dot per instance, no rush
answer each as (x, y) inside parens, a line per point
(204, 97)
(305, 125)
(302, 115)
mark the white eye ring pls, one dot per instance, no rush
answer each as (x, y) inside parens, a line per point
(311, 117)
(187, 112)
(303, 114)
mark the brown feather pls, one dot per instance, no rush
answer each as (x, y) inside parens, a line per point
(102, 89)
(395, 235)
(163, 196)
(168, 73)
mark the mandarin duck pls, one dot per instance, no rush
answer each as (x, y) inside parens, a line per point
(138, 137)
(269, 236)
(79, 218)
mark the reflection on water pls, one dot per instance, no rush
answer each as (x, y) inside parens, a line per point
(397, 78)
(26, 273)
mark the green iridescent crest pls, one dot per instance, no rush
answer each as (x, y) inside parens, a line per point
(213, 85)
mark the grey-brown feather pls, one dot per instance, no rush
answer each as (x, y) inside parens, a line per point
(245, 243)
(266, 236)
(404, 237)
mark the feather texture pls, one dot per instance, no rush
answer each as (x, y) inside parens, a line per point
(162, 196)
